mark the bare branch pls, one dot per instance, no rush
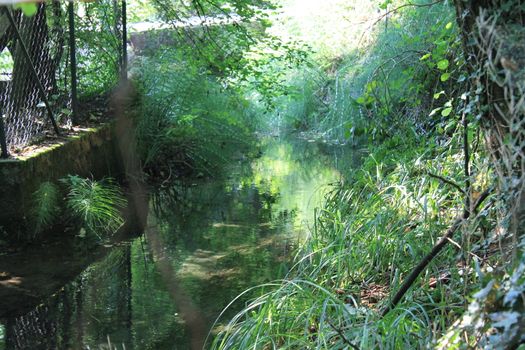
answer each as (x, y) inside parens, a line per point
(447, 181)
(433, 253)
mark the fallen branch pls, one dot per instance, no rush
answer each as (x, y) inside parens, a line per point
(340, 332)
(430, 256)
(447, 181)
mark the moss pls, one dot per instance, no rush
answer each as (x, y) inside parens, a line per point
(91, 153)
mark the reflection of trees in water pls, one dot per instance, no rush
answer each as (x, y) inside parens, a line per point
(226, 226)
(86, 311)
(250, 195)
(187, 210)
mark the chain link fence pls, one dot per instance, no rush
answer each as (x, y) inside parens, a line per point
(48, 61)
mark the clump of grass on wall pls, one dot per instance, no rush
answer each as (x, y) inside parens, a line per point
(46, 205)
(95, 203)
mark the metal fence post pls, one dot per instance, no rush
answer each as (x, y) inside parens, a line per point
(124, 68)
(3, 141)
(73, 61)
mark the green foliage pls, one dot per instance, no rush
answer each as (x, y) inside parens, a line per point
(367, 237)
(97, 33)
(95, 203)
(263, 70)
(188, 120)
(495, 316)
(221, 47)
(180, 9)
(28, 8)
(141, 11)
(301, 108)
(46, 205)
(377, 87)
(6, 63)
(242, 54)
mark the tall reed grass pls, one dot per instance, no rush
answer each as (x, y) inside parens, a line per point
(187, 119)
(368, 235)
(46, 205)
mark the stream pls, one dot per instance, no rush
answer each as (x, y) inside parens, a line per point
(204, 243)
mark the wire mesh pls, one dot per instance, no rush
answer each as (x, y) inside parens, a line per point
(22, 103)
(45, 35)
(34, 330)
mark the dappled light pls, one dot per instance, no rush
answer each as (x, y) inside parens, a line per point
(262, 174)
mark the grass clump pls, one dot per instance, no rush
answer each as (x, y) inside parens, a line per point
(46, 205)
(95, 203)
(188, 124)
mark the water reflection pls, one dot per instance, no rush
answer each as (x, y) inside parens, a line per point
(204, 244)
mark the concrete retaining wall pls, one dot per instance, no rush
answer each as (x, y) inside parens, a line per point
(93, 153)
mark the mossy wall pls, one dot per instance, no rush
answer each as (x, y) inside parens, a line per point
(93, 153)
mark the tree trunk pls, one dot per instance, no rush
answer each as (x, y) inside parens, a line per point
(493, 38)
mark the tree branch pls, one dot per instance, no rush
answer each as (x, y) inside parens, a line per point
(430, 256)
(447, 181)
(402, 6)
(466, 164)
(346, 341)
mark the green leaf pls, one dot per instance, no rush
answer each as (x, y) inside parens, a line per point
(445, 77)
(450, 125)
(434, 111)
(426, 56)
(442, 65)
(471, 135)
(438, 94)
(441, 48)
(371, 86)
(348, 133)
(449, 25)
(384, 5)
(28, 8)
(446, 112)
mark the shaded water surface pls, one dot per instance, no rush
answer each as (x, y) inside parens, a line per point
(204, 243)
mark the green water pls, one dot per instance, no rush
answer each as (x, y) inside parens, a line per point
(204, 243)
